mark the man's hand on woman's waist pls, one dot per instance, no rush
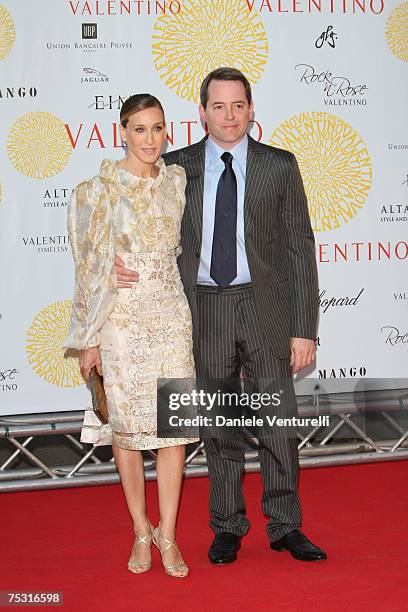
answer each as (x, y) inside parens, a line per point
(125, 276)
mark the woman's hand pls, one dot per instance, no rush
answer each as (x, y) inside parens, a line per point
(89, 358)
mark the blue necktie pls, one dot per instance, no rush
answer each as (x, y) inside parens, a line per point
(224, 247)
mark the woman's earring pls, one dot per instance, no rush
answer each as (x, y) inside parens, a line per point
(124, 144)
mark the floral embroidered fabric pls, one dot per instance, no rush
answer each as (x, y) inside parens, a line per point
(144, 332)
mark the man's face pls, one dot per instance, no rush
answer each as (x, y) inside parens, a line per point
(227, 113)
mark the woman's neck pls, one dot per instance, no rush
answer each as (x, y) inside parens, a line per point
(138, 168)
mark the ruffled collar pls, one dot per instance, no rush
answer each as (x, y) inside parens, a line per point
(111, 171)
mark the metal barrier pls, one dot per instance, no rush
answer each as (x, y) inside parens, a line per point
(389, 407)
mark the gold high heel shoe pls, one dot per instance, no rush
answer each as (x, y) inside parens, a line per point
(164, 544)
(139, 567)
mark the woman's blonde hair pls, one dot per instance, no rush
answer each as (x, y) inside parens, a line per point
(136, 103)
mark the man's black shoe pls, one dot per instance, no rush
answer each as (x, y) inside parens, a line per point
(224, 548)
(299, 546)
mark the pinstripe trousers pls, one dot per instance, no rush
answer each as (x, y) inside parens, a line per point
(230, 338)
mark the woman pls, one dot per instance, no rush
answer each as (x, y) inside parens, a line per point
(135, 336)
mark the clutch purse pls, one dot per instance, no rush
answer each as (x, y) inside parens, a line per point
(99, 404)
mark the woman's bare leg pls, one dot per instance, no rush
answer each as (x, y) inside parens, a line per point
(129, 464)
(170, 464)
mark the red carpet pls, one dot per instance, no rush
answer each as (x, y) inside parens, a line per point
(78, 541)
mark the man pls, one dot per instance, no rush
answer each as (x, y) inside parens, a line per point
(249, 272)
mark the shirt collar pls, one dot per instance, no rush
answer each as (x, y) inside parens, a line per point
(213, 152)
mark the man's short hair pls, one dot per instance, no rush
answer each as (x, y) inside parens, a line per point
(224, 74)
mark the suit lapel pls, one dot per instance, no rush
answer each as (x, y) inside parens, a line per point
(194, 165)
(255, 181)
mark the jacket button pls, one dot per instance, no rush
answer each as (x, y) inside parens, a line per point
(197, 255)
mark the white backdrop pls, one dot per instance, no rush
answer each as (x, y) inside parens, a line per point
(330, 83)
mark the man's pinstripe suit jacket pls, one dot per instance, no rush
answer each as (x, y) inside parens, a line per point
(279, 240)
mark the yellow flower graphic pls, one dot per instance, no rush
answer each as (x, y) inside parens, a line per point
(7, 32)
(38, 145)
(334, 163)
(44, 351)
(396, 32)
(205, 35)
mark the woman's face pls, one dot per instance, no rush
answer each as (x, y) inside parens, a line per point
(144, 135)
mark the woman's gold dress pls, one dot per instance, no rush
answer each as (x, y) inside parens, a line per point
(145, 332)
